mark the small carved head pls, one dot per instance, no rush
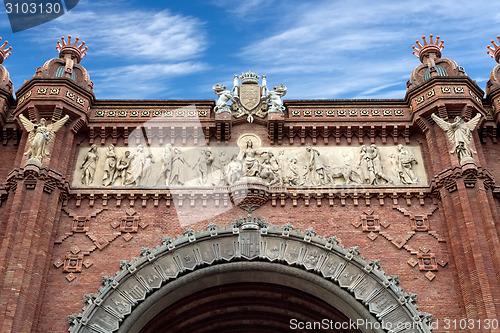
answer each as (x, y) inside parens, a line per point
(93, 148)
(127, 153)
(249, 144)
(218, 88)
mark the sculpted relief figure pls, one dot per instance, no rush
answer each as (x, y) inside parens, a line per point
(109, 167)
(219, 169)
(370, 166)
(178, 168)
(122, 168)
(266, 169)
(40, 135)
(167, 162)
(234, 170)
(146, 177)
(284, 172)
(366, 166)
(252, 167)
(89, 165)
(405, 162)
(203, 166)
(317, 174)
(460, 136)
(294, 175)
(380, 177)
(135, 169)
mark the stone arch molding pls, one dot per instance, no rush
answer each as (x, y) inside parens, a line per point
(252, 239)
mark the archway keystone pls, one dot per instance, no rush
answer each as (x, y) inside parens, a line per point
(322, 267)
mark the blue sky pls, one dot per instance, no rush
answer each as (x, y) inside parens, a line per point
(318, 49)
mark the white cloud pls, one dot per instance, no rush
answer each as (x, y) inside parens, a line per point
(142, 80)
(145, 48)
(364, 47)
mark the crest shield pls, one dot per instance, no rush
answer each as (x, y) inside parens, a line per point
(250, 95)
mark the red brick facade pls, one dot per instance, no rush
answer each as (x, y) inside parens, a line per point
(442, 239)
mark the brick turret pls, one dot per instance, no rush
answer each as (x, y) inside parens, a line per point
(60, 90)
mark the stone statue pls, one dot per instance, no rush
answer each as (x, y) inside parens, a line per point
(224, 97)
(460, 136)
(274, 97)
(316, 169)
(178, 168)
(252, 167)
(122, 168)
(405, 161)
(109, 167)
(136, 166)
(89, 165)
(40, 135)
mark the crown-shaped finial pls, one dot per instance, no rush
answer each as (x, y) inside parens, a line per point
(249, 77)
(495, 53)
(73, 49)
(4, 53)
(432, 46)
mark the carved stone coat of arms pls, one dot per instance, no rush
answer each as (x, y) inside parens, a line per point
(249, 98)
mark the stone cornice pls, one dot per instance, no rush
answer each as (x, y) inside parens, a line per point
(446, 80)
(257, 195)
(469, 172)
(32, 175)
(55, 82)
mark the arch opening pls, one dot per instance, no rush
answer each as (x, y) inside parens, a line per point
(281, 296)
(244, 258)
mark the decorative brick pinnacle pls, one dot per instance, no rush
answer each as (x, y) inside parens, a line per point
(432, 46)
(4, 53)
(494, 53)
(72, 49)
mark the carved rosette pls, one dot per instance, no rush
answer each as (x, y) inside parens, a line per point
(249, 239)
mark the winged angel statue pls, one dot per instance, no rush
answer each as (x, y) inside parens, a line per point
(40, 135)
(460, 136)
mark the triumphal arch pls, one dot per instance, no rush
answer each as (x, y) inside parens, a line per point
(250, 212)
